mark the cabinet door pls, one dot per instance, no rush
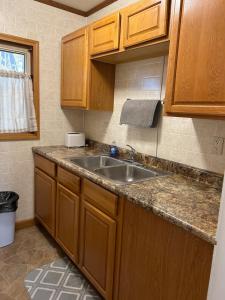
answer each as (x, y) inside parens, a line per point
(104, 34)
(98, 237)
(74, 69)
(196, 70)
(144, 21)
(160, 260)
(67, 221)
(45, 192)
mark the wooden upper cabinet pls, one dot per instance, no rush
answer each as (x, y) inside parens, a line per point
(74, 69)
(84, 83)
(144, 21)
(104, 34)
(196, 70)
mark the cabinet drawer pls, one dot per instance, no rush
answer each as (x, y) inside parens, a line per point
(104, 34)
(45, 165)
(69, 180)
(100, 198)
(144, 21)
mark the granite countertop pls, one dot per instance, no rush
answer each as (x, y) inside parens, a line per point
(187, 203)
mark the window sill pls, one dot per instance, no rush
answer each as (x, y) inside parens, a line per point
(19, 136)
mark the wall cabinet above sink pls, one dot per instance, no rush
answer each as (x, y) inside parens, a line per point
(196, 71)
(105, 34)
(132, 33)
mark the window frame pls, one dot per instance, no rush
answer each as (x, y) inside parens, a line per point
(34, 71)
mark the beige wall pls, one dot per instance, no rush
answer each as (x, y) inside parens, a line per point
(46, 24)
(184, 140)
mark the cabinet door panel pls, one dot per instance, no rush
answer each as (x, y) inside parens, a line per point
(74, 69)
(160, 260)
(67, 221)
(98, 237)
(45, 191)
(196, 70)
(104, 34)
(144, 21)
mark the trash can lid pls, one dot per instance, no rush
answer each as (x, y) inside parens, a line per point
(6, 197)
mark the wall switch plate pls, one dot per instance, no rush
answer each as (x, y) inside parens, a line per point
(218, 143)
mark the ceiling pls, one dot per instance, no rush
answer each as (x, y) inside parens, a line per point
(80, 7)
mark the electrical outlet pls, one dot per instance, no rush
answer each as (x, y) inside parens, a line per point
(217, 147)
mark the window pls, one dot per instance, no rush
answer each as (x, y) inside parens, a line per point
(19, 88)
(11, 60)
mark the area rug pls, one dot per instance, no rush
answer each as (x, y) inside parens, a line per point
(60, 280)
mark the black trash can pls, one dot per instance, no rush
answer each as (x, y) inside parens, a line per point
(8, 207)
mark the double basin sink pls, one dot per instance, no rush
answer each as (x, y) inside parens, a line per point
(115, 169)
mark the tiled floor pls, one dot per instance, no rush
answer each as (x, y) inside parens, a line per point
(32, 248)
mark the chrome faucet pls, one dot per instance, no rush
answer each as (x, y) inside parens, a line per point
(132, 153)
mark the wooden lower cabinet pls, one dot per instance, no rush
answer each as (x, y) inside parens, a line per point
(98, 241)
(45, 193)
(160, 260)
(126, 251)
(67, 221)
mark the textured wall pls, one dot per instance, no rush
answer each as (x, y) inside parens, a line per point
(30, 19)
(184, 140)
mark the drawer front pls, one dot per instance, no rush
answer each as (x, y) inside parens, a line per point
(100, 198)
(144, 21)
(45, 165)
(69, 180)
(104, 34)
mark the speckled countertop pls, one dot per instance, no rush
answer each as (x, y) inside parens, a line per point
(189, 204)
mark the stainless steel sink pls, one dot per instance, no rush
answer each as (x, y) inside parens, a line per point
(127, 173)
(95, 162)
(115, 169)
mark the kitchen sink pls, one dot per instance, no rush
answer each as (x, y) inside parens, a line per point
(127, 173)
(115, 169)
(95, 162)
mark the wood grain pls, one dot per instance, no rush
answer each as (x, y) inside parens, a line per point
(160, 260)
(45, 200)
(101, 86)
(195, 81)
(84, 83)
(98, 240)
(104, 34)
(143, 21)
(67, 221)
(25, 224)
(100, 198)
(74, 70)
(69, 180)
(45, 165)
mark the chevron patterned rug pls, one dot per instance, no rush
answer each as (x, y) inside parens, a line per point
(60, 280)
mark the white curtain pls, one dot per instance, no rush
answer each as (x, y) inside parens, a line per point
(17, 112)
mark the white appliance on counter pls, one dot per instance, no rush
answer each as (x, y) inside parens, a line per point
(74, 139)
(217, 278)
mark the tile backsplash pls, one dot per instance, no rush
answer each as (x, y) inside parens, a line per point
(184, 140)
